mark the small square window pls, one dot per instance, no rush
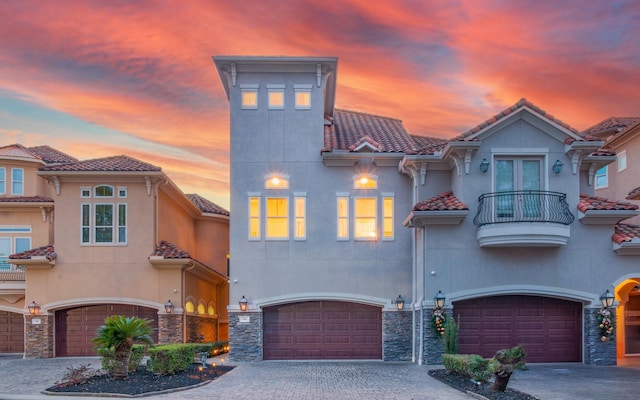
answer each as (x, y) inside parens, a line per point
(85, 193)
(302, 97)
(249, 96)
(122, 192)
(276, 96)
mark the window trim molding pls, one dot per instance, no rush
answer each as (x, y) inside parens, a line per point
(266, 218)
(275, 88)
(383, 197)
(299, 196)
(345, 197)
(302, 88)
(13, 181)
(375, 223)
(622, 155)
(606, 176)
(249, 88)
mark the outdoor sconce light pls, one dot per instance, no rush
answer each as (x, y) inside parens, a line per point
(168, 307)
(484, 165)
(243, 303)
(440, 298)
(557, 167)
(607, 299)
(399, 303)
(34, 308)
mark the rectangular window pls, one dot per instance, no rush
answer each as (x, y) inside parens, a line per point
(85, 229)
(601, 178)
(5, 252)
(276, 96)
(104, 223)
(302, 96)
(622, 161)
(365, 218)
(277, 218)
(254, 218)
(3, 180)
(22, 244)
(122, 223)
(17, 181)
(387, 217)
(249, 96)
(122, 192)
(343, 217)
(300, 217)
(85, 193)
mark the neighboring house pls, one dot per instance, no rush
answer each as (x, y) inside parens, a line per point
(338, 214)
(82, 240)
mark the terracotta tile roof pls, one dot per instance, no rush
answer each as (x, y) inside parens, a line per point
(634, 194)
(625, 233)
(604, 152)
(52, 156)
(25, 199)
(120, 163)
(427, 145)
(206, 206)
(612, 125)
(47, 251)
(17, 150)
(169, 250)
(600, 203)
(508, 111)
(349, 129)
(443, 202)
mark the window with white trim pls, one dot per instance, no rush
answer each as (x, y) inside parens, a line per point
(122, 192)
(277, 218)
(103, 222)
(365, 218)
(302, 96)
(254, 217)
(85, 193)
(343, 216)
(275, 96)
(3, 180)
(387, 216)
(17, 181)
(622, 161)
(13, 244)
(300, 216)
(249, 96)
(602, 180)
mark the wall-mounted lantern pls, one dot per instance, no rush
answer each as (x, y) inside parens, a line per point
(399, 303)
(607, 299)
(484, 165)
(440, 298)
(168, 307)
(243, 303)
(34, 308)
(557, 167)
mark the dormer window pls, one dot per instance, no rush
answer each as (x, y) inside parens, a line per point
(276, 181)
(249, 96)
(365, 181)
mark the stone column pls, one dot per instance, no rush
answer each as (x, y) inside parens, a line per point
(38, 336)
(433, 342)
(170, 328)
(396, 335)
(597, 351)
(245, 336)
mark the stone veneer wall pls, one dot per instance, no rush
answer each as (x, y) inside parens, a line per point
(38, 338)
(433, 343)
(201, 329)
(396, 335)
(597, 352)
(170, 328)
(245, 338)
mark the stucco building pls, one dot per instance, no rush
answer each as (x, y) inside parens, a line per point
(81, 240)
(341, 217)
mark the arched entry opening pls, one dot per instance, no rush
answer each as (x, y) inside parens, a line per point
(628, 322)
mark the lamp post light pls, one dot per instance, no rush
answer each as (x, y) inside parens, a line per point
(440, 298)
(243, 303)
(607, 299)
(34, 308)
(168, 307)
(399, 303)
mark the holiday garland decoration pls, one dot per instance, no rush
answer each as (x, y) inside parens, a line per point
(437, 321)
(605, 324)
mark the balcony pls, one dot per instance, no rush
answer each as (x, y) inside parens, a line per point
(12, 282)
(527, 218)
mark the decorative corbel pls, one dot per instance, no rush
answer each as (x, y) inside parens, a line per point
(423, 173)
(56, 184)
(592, 173)
(319, 74)
(147, 180)
(233, 74)
(467, 161)
(458, 161)
(44, 214)
(575, 161)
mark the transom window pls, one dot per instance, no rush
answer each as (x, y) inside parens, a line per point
(276, 181)
(365, 181)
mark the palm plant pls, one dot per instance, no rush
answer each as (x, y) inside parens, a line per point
(120, 333)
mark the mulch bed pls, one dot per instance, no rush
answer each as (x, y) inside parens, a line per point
(145, 382)
(463, 383)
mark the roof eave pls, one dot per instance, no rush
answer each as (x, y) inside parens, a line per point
(605, 217)
(419, 219)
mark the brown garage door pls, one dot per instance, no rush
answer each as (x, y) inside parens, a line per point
(322, 330)
(11, 332)
(76, 327)
(549, 329)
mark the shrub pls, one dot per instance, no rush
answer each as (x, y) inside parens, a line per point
(168, 359)
(450, 336)
(108, 354)
(480, 368)
(456, 363)
(77, 375)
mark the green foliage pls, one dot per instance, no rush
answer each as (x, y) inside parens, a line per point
(479, 368)
(108, 358)
(511, 359)
(76, 375)
(450, 336)
(168, 359)
(456, 363)
(118, 329)
(219, 347)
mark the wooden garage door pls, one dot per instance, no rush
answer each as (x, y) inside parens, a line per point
(76, 327)
(11, 332)
(322, 330)
(549, 329)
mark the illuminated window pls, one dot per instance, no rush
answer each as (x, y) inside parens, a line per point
(276, 96)
(387, 217)
(277, 218)
(602, 180)
(211, 310)
(300, 204)
(249, 96)
(254, 218)
(622, 161)
(302, 96)
(201, 308)
(189, 307)
(276, 182)
(365, 218)
(17, 181)
(343, 216)
(365, 182)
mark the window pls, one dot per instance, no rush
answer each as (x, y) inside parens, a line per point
(343, 216)
(249, 96)
(3, 180)
(622, 161)
(601, 178)
(17, 181)
(277, 218)
(387, 217)
(300, 217)
(103, 223)
(275, 181)
(122, 192)
(85, 193)
(5, 252)
(365, 181)
(12, 245)
(276, 96)
(365, 218)
(518, 174)
(254, 218)
(302, 96)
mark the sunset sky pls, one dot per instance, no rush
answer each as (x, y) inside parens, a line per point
(101, 78)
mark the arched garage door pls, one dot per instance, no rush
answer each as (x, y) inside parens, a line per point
(322, 330)
(11, 332)
(549, 329)
(76, 327)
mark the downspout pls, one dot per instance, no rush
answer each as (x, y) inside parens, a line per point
(414, 278)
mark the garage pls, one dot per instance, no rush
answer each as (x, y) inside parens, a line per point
(76, 327)
(322, 330)
(549, 329)
(11, 332)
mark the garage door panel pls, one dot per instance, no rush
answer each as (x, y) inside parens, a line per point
(324, 330)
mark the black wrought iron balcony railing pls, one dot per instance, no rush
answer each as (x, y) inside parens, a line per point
(523, 206)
